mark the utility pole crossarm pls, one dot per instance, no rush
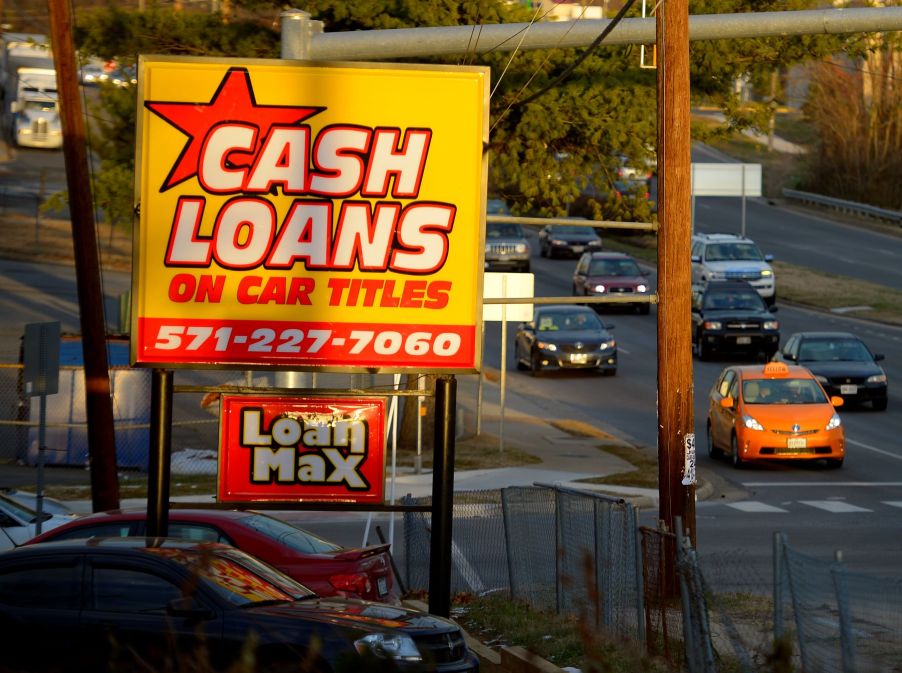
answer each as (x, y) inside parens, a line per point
(456, 40)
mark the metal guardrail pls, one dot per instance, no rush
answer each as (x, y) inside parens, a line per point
(845, 206)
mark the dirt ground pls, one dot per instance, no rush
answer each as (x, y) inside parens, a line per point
(50, 240)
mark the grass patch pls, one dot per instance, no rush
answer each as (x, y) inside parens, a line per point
(644, 474)
(498, 621)
(827, 291)
(134, 485)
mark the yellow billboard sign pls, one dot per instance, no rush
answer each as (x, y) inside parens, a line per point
(325, 216)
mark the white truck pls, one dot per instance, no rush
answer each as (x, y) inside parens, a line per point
(30, 115)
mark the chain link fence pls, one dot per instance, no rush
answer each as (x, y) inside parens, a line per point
(570, 552)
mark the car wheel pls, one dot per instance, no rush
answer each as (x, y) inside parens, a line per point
(738, 462)
(609, 372)
(704, 352)
(522, 366)
(543, 251)
(713, 451)
(525, 268)
(644, 309)
(834, 463)
(535, 364)
(772, 300)
(880, 405)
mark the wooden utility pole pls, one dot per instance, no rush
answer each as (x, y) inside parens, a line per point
(98, 402)
(676, 431)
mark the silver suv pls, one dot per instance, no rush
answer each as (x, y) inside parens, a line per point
(732, 257)
(506, 245)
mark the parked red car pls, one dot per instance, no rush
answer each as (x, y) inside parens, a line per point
(323, 566)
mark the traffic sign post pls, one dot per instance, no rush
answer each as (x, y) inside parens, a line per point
(41, 373)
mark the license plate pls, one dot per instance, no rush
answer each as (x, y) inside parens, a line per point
(743, 340)
(578, 248)
(796, 443)
(579, 358)
(382, 585)
(848, 390)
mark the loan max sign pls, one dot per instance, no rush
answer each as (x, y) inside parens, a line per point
(313, 217)
(277, 448)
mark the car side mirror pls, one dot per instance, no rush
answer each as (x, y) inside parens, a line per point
(727, 402)
(878, 357)
(773, 309)
(768, 258)
(788, 356)
(609, 326)
(696, 259)
(836, 401)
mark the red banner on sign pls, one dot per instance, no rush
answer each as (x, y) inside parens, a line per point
(301, 449)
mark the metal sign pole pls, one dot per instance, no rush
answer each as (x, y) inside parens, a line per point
(743, 200)
(503, 362)
(39, 508)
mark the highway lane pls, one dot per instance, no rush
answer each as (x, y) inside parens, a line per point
(855, 508)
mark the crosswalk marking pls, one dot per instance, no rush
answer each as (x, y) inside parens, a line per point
(834, 506)
(893, 503)
(755, 506)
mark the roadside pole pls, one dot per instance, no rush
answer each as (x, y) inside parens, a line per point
(98, 400)
(676, 435)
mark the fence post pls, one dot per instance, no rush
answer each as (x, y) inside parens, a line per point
(640, 586)
(558, 589)
(508, 543)
(846, 637)
(778, 586)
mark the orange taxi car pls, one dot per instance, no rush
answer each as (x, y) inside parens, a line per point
(777, 411)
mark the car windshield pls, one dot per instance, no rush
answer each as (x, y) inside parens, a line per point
(553, 322)
(39, 106)
(838, 350)
(782, 391)
(727, 252)
(727, 301)
(613, 267)
(504, 230)
(288, 535)
(569, 230)
(235, 576)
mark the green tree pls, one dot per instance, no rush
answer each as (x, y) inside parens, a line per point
(543, 153)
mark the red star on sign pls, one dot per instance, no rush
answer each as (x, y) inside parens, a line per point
(233, 102)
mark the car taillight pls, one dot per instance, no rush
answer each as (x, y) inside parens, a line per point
(354, 583)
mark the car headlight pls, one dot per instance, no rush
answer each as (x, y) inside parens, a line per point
(605, 345)
(877, 378)
(751, 423)
(594, 244)
(545, 346)
(599, 289)
(397, 646)
(771, 324)
(521, 247)
(713, 324)
(557, 241)
(766, 272)
(717, 275)
(642, 288)
(835, 422)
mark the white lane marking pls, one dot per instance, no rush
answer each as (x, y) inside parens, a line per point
(754, 506)
(759, 484)
(893, 503)
(834, 506)
(875, 449)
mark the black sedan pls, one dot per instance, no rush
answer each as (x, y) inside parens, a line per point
(567, 240)
(565, 337)
(731, 317)
(129, 604)
(843, 364)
